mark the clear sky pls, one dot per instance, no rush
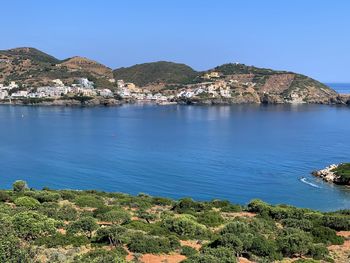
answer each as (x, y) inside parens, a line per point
(307, 36)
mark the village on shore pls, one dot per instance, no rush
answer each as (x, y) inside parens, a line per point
(212, 86)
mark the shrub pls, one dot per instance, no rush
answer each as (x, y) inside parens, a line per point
(27, 202)
(213, 255)
(326, 236)
(188, 206)
(113, 235)
(318, 251)
(119, 216)
(88, 201)
(67, 212)
(58, 240)
(303, 224)
(188, 251)
(85, 225)
(100, 256)
(294, 242)
(4, 196)
(20, 186)
(336, 222)
(31, 225)
(210, 218)
(46, 196)
(185, 226)
(141, 243)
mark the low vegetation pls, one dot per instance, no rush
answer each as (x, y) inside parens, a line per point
(90, 226)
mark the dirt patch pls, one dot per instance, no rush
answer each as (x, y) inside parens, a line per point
(341, 253)
(174, 258)
(244, 260)
(191, 243)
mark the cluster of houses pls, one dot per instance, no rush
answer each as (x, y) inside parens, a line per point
(58, 89)
(213, 87)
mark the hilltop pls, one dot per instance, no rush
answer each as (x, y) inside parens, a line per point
(156, 72)
(167, 82)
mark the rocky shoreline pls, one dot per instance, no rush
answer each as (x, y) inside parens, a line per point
(329, 174)
(341, 99)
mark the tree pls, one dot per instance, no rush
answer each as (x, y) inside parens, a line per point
(294, 242)
(27, 202)
(85, 225)
(119, 216)
(67, 212)
(114, 235)
(185, 226)
(20, 186)
(148, 217)
(31, 225)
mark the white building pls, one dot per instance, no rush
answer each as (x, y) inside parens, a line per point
(106, 93)
(3, 94)
(86, 83)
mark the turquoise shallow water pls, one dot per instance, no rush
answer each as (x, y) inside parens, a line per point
(232, 152)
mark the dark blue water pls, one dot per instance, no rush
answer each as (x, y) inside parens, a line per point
(233, 152)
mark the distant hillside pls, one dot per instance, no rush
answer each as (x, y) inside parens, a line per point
(155, 72)
(32, 67)
(32, 54)
(85, 64)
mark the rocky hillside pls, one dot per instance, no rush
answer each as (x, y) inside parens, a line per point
(31, 67)
(228, 83)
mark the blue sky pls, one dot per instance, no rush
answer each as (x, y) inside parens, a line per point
(307, 36)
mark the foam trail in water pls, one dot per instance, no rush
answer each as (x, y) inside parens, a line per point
(305, 181)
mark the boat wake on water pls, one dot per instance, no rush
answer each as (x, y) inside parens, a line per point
(305, 181)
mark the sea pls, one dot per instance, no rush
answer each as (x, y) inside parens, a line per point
(237, 153)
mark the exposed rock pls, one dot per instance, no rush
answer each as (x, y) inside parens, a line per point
(328, 174)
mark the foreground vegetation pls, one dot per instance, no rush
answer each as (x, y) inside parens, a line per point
(90, 226)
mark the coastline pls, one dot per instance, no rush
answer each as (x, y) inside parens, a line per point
(340, 99)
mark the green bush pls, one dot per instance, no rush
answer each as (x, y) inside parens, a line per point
(88, 201)
(4, 196)
(67, 213)
(186, 226)
(210, 218)
(141, 243)
(213, 255)
(20, 186)
(112, 235)
(326, 236)
(85, 225)
(31, 225)
(336, 222)
(119, 216)
(27, 202)
(318, 251)
(188, 251)
(47, 196)
(188, 206)
(101, 256)
(60, 240)
(294, 242)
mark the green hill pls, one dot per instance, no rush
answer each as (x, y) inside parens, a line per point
(155, 72)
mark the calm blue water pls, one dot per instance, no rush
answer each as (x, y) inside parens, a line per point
(233, 152)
